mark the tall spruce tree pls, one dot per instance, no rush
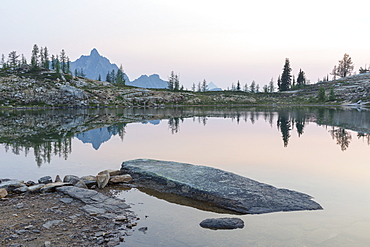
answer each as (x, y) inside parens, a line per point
(286, 77)
(63, 61)
(238, 86)
(301, 79)
(171, 81)
(46, 57)
(35, 57)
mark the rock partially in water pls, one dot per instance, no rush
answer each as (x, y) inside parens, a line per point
(221, 188)
(72, 179)
(222, 223)
(3, 193)
(102, 179)
(121, 179)
(45, 180)
(11, 184)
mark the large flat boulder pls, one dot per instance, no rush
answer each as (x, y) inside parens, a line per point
(221, 188)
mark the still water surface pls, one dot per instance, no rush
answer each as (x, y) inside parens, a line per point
(321, 152)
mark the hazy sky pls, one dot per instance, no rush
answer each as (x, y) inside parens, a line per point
(220, 41)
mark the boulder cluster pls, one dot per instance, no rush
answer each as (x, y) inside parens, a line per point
(45, 184)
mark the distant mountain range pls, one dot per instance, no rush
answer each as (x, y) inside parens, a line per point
(94, 65)
(152, 81)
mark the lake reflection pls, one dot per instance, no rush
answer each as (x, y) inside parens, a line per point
(318, 151)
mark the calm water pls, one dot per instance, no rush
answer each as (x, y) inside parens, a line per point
(321, 152)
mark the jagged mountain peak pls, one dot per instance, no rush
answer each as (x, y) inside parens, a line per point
(94, 52)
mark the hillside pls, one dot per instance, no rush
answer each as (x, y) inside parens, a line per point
(43, 89)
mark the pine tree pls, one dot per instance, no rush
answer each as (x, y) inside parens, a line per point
(35, 57)
(113, 76)
(23, 60)
(107, 78)
(257, 88)
(204, 86)
(68, 66)
(253, 87)
(193, 87)
(3, 63)
(279, 83)
(286, 77)
(345, 66)
(46, 57)
(271, 86)
(301, 79)
(13, 59)
(120, 77)
(199, 87)
(52, 62)
(238, 86)
(63, 61)
(176, 83)
(99, 77)
(57, 66)
(42, 60)
(246, 87)
(171, 81)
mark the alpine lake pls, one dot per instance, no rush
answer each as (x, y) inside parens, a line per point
(323, 152)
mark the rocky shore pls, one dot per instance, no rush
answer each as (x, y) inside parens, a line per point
(73, 212)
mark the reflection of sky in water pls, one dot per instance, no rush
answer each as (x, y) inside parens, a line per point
(312, 163)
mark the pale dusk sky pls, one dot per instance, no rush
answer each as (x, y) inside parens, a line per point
(220, 41)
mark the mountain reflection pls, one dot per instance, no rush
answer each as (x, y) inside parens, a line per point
(49, 133)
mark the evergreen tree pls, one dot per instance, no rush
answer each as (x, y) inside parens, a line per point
(301, 79)
(52, 62)
(171, 81)
(120, 76)
(35, 57)
(246, 87)
(46, 57)
(204, 86)
(193, 87)
(321, 94)
(23, 60)
(279, 83)
(99, 78)
(57, 66)
(265, 89)
(113, 76)
(238, 86)
(271, 86)
(257, 88)
(345, 66)
(199, 87)
(253, 87)
(68, 66)
(63, 61)
(3, 63)
(13, 59)
(42, 60)
(331, 94)
(286, 77)
(176, 83)
(107, 78)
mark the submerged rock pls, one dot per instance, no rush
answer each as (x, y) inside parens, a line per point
(221, 188)
(222, 223)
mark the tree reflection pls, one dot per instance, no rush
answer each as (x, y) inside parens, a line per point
(174, 124)
(284, 124)
(364, 136)
(342, 137)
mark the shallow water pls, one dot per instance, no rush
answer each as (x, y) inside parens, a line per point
(321, 152)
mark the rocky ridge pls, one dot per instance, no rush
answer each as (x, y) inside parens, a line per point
(44, 89)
